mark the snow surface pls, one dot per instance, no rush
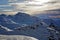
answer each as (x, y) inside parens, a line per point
(16, 37)
(7, 29)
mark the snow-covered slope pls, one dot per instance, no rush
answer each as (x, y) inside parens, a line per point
(24, 24)
(16, 37)
(37, 30)
(5, 28)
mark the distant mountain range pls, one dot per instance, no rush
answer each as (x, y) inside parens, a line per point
(49, 14)
(25, 24)
(22, 24)
(17, 20)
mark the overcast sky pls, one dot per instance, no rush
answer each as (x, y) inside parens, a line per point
(27, 6)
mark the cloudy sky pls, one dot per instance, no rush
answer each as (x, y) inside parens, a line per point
(27, 6)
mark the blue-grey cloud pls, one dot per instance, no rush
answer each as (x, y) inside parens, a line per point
(53, 2)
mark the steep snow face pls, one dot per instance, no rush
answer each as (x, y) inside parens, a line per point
(7, 29)
(13, 21)
(16, 37)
